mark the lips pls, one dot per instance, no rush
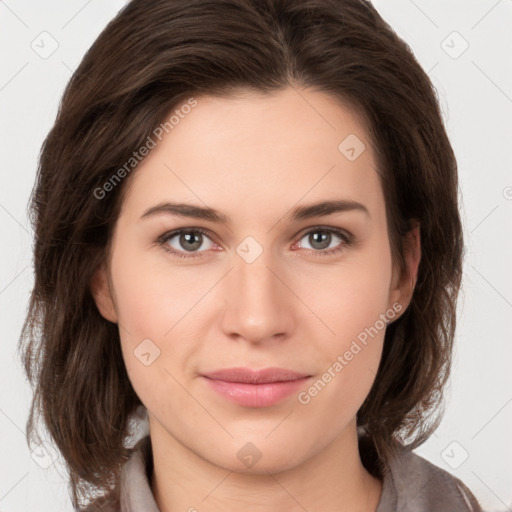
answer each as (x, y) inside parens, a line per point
(255, 388)
(249, 376)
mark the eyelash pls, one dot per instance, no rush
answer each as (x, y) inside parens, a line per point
(346, 238)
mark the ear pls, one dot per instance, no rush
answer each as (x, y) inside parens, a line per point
(102, 294)
(402, 286)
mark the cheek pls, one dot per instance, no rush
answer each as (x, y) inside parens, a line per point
(350, 360)
(158, 321)
(151, 295)
(348, 297)
(351, 303)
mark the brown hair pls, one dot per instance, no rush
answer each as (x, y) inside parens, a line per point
(151, 57)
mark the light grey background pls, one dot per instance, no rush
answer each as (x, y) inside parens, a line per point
(475, 89)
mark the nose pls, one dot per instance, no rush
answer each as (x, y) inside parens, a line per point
(260, 307)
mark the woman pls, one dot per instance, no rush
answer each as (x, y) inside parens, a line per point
(247, 225)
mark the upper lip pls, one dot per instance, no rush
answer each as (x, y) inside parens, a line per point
(249, 376)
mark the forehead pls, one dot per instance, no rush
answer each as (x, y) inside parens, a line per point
(268, 149)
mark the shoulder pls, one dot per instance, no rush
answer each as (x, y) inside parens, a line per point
(413, 483)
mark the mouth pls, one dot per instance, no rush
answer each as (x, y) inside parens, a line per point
(255, 388)
(249, 376)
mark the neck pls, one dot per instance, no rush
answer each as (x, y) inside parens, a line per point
(333, 479)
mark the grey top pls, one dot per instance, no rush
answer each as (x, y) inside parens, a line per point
(409, 483)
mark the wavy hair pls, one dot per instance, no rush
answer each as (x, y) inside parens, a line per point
(150, 58)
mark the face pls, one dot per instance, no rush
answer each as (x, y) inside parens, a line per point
(271, 282)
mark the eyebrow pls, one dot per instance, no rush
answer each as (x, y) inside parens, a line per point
(300, 213)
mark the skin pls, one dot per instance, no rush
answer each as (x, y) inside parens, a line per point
(254, 158)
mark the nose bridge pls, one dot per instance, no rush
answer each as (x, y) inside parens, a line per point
(258, 285)
(257, 279)
(252, 263)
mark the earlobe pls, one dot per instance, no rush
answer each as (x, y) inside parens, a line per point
(102, 294)
(403, 287)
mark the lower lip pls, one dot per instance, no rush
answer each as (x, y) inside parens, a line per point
(256, 395)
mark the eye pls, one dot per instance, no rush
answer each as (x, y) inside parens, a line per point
(183, 241)
(321, 239)
(186, 243)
